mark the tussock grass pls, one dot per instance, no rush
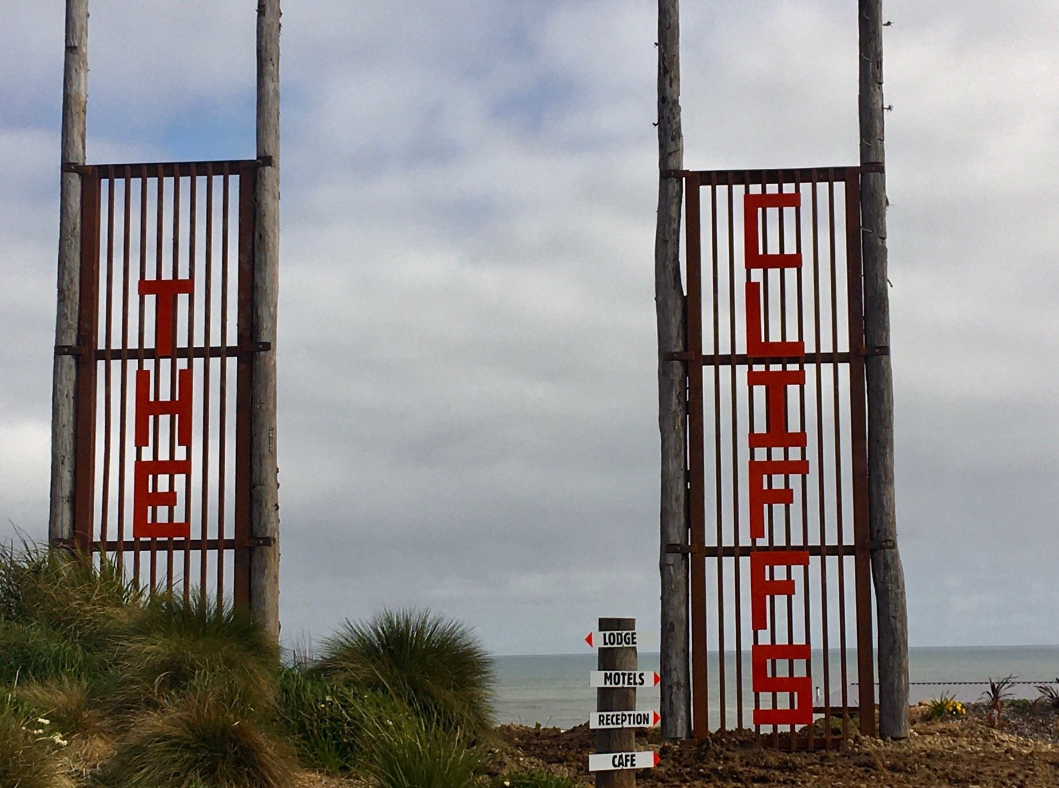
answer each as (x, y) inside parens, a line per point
(65, 702)
(200, 740)
(534, 778)
(434, 664)
(408, 752)
(29, 757)
(32, 651)
(174, 645)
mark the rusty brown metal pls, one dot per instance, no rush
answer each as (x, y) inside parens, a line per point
(173, 220)
(816, 303)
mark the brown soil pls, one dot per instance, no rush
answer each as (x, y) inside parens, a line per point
(1021, 751)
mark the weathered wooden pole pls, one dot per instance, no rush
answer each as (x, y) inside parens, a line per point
(887, 573)
(64, 369)
(672, 401)
(264, 472)
(616, 699)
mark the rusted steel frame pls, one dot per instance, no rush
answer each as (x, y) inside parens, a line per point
(210, 544)
(718, 492)
(741, 359)
(207, 315)
(859, 448)
(192, 238)
(123, 382)
(173, 362)
(770, 177)
(137, 451)
(743, 551)
(696, 457)
(222, 409)
(736, 524)
(244, 381)
(158, 244)
(87, 330)
(820, 460)
(216, 351)
(176, 169)
(108, 322)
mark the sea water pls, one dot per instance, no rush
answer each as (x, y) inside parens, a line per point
(553, 690)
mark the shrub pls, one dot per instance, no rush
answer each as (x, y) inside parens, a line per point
(28, 752)
(201, 740)
(534, 778)
(435, 665)
(174, 644)
(998, 692)
(322, 719)
(407, 752)
(32, 651)
(1049, 694)
(65, 593)
(944, 706)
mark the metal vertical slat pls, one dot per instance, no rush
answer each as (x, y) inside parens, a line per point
(87, 328)
(207, 338)
(696, 458)
(859, 448)
(222, 415)
(718, 486)
(157, 378)
(736, 533)
(244, 375)
(108, 321)
(173, 366)
(123, 382)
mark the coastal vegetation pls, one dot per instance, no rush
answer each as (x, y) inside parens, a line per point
(104, 685)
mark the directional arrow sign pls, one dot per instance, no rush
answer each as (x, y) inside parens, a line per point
(611, 639)
(616, 679)
(623, 719)
(610, 761)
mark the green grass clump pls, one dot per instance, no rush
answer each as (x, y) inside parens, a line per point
(322, 719)
(173, 645)
(944, 706)
(409, 753)
(30, 650)
(29, 756)
(534, 778)
(200, 740)
(64, 593)
(435, 665)
(65, 702)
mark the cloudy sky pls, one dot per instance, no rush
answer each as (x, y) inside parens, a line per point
(467, 348)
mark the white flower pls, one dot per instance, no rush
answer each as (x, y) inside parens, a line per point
(43, 721)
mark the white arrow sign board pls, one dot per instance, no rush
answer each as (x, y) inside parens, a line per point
(611, 639)
(611, 761)
(623, 719)
(617, 679)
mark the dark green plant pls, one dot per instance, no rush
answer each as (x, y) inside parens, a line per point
(435, 665)
(174, 645)
(407, 752)
(327, 721)
(944, 706)
(32, 651)
(200, 740)
(1049, 694)
(28, 750)
(998, 692)
(534, 778)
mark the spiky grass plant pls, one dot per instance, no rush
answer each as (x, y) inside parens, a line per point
(65, 702)
(998, 692)
(201, 740)
(1048, 694)
(534, 778)
(64, 593)
(944, 706)
(174, 645)
(408, 752)
(434, 664)
(29, 755)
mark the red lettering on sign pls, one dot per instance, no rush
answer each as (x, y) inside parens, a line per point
(801, 686)
(761, 587)
(776, 435)
(179, 408)
(167, 291)
(761, 496)
(752, 203)
(144, 498)
(756, 347)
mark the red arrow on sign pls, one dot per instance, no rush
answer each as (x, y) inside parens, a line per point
(588, 640)
(656, 680)
(655, 719)
(657, 759)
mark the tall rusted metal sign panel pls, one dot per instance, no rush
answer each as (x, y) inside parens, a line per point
(780, 580)
(162, 480)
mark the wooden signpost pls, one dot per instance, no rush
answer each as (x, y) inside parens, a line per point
(616, 716)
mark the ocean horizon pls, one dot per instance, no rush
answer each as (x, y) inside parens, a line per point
(553, 689)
